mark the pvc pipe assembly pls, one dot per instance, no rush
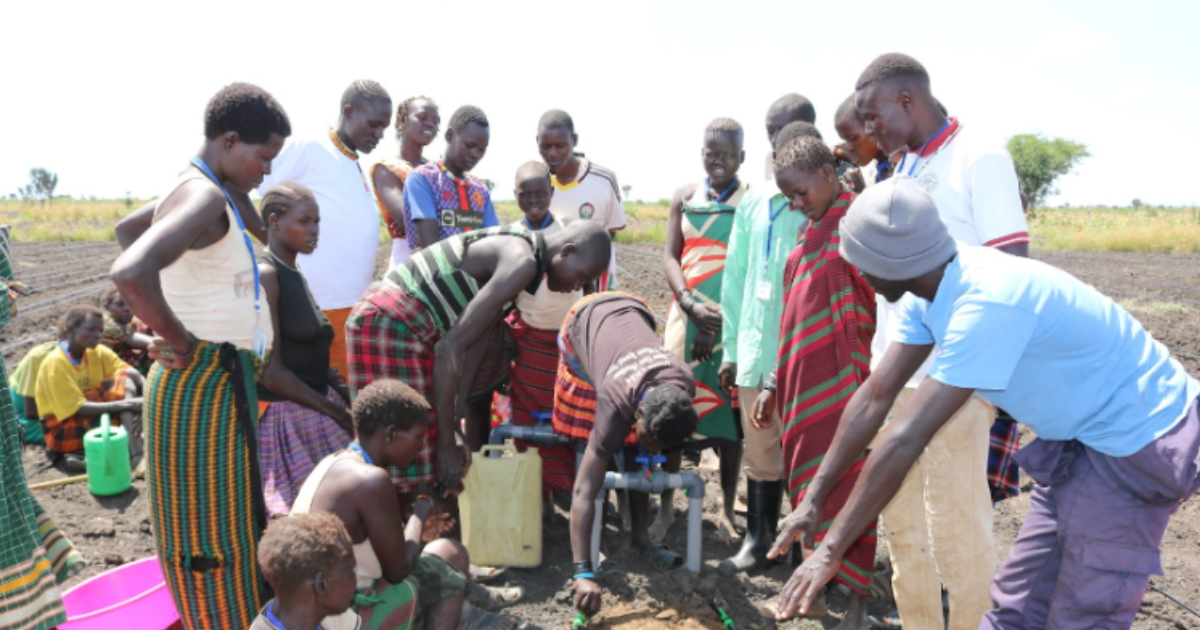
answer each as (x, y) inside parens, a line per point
(542, 435)
(637, 482)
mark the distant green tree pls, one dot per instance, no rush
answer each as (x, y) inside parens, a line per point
(625, 189)
(1039, 162)
(43, 183)
(1137, 203)
(490, 184)
(128, 199)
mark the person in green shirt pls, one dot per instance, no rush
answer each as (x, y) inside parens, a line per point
(765, 231)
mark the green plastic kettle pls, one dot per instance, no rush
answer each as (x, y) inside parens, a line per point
(106, 450)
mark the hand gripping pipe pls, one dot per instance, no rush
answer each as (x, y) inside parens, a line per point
(541, 434)
(660, 481)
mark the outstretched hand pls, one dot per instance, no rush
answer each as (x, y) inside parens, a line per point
(806, 584)
(799, 526)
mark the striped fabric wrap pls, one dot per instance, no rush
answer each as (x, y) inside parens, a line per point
(574, 393)
(206, 497)
(434, 275)
(824, 355)
(534, 368)
(64, 558)
(29, 597)
(392, 334)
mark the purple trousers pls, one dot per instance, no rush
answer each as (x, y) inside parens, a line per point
(1090, 541)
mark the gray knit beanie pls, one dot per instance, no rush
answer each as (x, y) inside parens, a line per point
(893, 232)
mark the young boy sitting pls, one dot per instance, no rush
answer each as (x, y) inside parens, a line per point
(858, 149)
(401, 581)
(308, 560)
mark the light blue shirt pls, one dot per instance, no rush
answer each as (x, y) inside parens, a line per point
(1052, 351)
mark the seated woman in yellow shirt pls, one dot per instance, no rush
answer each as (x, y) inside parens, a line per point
(81, 380)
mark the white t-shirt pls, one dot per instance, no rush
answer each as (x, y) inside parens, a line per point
(343, 264)
(974, 184)
(546, 309)
(594, 195)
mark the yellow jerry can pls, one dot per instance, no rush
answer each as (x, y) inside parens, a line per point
(501, 508)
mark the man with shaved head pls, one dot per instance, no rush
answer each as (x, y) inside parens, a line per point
(431, 319)
(341, 268)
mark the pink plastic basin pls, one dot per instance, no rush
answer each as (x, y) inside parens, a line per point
(133, 596)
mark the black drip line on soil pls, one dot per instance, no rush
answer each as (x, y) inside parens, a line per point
(37, 307)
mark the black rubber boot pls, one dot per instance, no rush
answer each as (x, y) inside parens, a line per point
(762, 516)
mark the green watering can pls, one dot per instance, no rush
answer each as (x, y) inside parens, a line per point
(106, 449)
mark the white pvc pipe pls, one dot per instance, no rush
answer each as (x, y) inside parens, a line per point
(637, 482)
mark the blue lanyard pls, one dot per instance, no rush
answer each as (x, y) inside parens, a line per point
(723, 196)
(275, 620)
(771, 227)
(356, 447)
(241, 226)
(922, 149)
(548, 221)
(880, 168)
(64, 345)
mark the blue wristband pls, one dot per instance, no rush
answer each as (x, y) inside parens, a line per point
(584, 575)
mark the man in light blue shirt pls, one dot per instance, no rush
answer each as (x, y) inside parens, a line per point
(765, 229)
(1118, 419)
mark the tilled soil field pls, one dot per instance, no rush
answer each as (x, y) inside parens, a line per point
(1161, 290)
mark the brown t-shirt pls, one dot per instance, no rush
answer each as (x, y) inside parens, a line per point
(615, 343)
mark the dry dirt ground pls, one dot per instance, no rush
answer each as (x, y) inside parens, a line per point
(1161, 290)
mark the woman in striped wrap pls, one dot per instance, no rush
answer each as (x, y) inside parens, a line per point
(824, 351)
(29, 596)
(191, 276)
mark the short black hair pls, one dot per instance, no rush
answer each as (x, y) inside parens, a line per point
(282, 196)
(297, 547)
(247, 109)
(793, 130)
(106, 298)
(726, 125)
(405, 108)
(556, 119)
(591, 239)
(806, 154)
(669, 416)
(466, 115)
(364, 90)
(75, 317)
(800, 106)
(892, 66)
(388, 403)
(847, 110)
(534, 165)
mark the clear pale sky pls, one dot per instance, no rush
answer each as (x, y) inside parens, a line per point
(110, 95)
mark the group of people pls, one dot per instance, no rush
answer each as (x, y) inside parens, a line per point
(845, 332)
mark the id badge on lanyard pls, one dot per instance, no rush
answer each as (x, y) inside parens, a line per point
(765, 288)
(259, 339)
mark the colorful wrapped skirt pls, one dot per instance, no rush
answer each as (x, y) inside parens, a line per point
(206, 498)
(291, 439)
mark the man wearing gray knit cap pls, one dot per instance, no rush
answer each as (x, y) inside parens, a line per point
(1117, 418)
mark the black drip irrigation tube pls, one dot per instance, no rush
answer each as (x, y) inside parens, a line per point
(25, 342)
(1180, 602)
(61, 299)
